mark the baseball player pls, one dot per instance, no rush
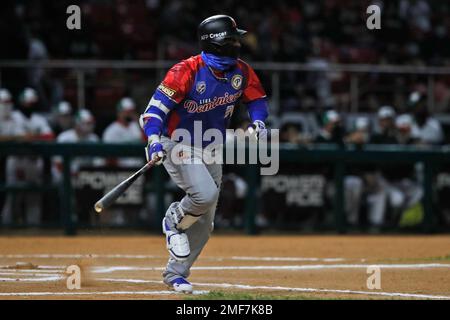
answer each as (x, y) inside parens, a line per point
(29, 169)
(125, 130)
(12, 125)
(82, 132)
(205, 88)
(62, 117)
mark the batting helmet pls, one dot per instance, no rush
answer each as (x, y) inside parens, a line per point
(217, 35)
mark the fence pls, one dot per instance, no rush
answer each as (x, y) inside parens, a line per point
(339, 157)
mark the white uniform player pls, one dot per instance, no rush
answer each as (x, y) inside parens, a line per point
(83, 132)
(26, 170)
(125, 129)
(11, 122)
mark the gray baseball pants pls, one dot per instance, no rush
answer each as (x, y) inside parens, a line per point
(201, 182)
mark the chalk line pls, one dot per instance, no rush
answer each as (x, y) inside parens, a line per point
(86, 293)
(109, 269)
(38, 279)
(292, 289)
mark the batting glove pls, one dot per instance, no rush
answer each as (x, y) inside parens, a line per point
(154, 150)
(257, 129)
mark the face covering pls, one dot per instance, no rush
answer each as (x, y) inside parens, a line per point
(421, 116)
(338, 132)
(129, 119)
(28, 111)
(86, 128)
(218, 62)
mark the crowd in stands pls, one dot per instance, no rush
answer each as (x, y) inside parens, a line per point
(313, 107)
(285, 30)
(25, 123)
(318, 33)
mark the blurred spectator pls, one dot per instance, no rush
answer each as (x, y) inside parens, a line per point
(393, 188)
(37, 74)
(37, 126)
(417, 13)
(231, 200)
(332, 130)
(375, 182)
(231, 204)
(361, 134)
(386, 124)
(125, 130)
(290, 133)
(353, 182)
(82, 132)
(62, 119)
(405, 133)
(11, 124)
(426, 128)
(26, 170)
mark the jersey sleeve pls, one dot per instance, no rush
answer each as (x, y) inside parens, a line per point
(254, 95)
(172, 90)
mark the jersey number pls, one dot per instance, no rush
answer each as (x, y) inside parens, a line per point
(229, 111)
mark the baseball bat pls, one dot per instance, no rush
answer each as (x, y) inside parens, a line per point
(118, 190)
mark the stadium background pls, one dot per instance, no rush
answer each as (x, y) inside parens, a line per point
(320, 66)
(312, 57)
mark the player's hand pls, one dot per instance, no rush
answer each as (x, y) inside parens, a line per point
(154, 150)
(257, 129)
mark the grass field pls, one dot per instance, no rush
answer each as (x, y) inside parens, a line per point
(231, 267)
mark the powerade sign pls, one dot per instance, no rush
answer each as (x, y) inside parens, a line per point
(304, 190)
(102, 180)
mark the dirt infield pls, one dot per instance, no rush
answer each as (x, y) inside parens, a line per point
(127, 267)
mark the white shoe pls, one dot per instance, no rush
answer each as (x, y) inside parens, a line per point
(177, 242)
(180, 285)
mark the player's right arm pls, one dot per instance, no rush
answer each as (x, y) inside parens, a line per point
(167, 96)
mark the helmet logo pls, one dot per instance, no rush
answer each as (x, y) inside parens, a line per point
(201, 87)
(213, 35)
(236, 81)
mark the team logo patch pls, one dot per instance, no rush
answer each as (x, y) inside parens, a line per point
(201, 87)
(166, 90)
(236, 81)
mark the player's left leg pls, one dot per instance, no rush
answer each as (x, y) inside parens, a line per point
(198, 235)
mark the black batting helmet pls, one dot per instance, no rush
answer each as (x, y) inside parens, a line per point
(217, 33)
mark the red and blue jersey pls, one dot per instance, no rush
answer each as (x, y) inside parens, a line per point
(192, 91)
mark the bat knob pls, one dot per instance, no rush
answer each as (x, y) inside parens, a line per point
(98, 207)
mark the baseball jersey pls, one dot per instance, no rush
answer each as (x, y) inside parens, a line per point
(12, 126)
(192, 91)
(71, 136)
(36, 125)
(118, 133)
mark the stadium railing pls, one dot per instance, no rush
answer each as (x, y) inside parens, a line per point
(82, 67)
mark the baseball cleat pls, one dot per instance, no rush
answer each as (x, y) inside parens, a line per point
(176, 242)
(180, 285)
